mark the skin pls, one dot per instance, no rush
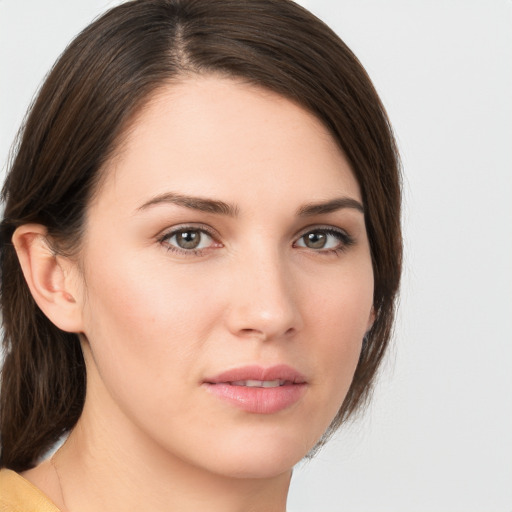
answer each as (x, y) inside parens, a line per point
(156, 323)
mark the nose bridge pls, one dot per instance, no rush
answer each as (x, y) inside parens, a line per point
(263, 302)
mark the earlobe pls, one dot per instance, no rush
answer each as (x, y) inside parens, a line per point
(48, 277)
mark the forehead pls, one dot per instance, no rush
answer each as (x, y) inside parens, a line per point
(225, 138)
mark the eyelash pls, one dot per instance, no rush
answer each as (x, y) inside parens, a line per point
(344, 238)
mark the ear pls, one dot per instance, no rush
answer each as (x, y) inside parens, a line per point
(52, 279)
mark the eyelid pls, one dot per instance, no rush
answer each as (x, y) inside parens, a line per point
(198, 226)
(322, 227)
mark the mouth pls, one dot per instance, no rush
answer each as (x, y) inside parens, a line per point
(258, 390)
(261, 383)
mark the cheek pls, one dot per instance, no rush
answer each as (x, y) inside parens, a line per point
(342, 307)
(130, 291)
(341, 317)
(143, 324)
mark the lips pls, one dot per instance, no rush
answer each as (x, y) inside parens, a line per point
(258, 390)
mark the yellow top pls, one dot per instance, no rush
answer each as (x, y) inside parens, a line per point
(18, 495)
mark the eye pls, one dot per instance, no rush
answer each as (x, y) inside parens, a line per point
(325, 239)
(187, 239)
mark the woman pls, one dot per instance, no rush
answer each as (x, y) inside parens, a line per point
(200, 255)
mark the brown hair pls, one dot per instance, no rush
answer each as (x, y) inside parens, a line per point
(107, 74)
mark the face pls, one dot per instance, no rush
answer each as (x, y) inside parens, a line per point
(227, 280)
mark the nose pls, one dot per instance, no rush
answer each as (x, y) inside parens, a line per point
(264, 302)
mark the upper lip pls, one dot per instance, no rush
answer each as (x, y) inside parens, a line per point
(254, 372)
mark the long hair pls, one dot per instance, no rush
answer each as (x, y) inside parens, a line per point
(105, 76)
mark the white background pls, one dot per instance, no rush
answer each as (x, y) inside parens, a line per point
(438, 436)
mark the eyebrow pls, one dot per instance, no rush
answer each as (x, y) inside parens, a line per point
(221, 208)
(330, 206)
(194, 203)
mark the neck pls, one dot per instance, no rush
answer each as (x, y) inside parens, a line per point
(96, 472)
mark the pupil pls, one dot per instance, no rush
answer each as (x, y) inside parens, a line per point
(315, 240)
(188, 239)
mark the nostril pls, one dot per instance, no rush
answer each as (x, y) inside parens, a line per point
(253, 332)
(264, 335)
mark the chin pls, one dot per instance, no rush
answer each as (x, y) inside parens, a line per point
(260, 457)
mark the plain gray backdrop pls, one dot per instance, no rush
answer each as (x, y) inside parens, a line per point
(438, 435)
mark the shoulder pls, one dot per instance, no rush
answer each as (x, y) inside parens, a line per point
(18, 495)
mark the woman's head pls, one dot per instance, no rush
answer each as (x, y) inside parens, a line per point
(83, 127)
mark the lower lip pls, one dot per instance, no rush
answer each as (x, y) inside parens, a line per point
(258, 400)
